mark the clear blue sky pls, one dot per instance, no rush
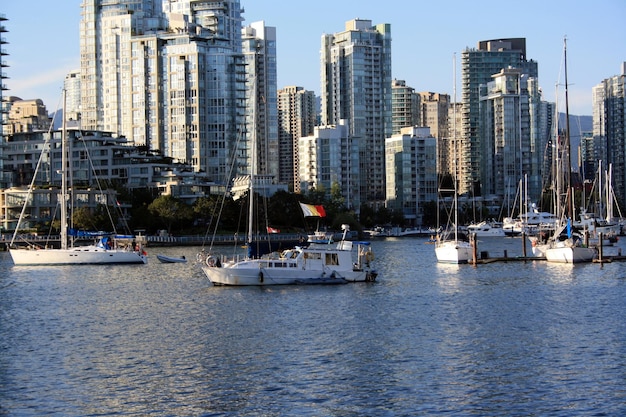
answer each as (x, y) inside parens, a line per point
(44, 40)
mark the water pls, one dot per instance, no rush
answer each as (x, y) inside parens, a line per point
(425, 339)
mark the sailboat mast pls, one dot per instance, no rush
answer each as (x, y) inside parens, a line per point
(456, 199)
(570, 198)
(64, 174)
(600, 196)
(253, 161)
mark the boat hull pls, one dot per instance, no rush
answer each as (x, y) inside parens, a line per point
(570, 254)
(348, 262)
(251, 276)
(88, 255)
(170, 260)
(452, 252)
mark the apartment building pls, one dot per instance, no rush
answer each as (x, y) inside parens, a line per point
(356, 86)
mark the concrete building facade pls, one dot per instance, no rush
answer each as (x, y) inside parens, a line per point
(405, 106)
(297, 117)
(478, 65)
(330, 158)
(356, 86)
(170, 76)
(411, 170)
(609, 128)
(259, 49)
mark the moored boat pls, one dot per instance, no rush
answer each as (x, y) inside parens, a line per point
(347, 262)
(567, 244)
(111, 248)
(171, 259)
(486, 229)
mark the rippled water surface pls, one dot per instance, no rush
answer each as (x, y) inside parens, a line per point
(426, 339)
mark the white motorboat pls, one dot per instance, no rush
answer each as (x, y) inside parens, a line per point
(347, 262)
(486, 229)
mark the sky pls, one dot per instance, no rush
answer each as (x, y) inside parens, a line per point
(426, 35)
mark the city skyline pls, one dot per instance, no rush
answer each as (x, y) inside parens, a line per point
(37, 70)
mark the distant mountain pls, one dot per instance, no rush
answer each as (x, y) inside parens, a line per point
(578, 125)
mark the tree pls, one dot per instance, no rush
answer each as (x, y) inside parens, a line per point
(170, 210)
(83, 219)
(284, 210)
(99, 218)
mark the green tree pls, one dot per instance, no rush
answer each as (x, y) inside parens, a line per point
(99, 218)
(337, 202)
(170, 210)
(82, 218)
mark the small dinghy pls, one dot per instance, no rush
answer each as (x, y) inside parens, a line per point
(170, 259)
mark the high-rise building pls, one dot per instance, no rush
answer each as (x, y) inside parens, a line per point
(71, 85)
(411, 170)
(4, 106)
(588, 157)
(297, 117)
(598, 119)
(405, 106)
(478, 65)
(433, 111)
(450, 145)
(609, 121)
(106, 31)
(259, 49)
(356, 86)
(170, 76)
(508, 116)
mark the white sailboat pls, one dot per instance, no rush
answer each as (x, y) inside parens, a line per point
(449, 247)
(110, 249)
(566, 245)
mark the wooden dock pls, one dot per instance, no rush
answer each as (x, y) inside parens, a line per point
(484, 257)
